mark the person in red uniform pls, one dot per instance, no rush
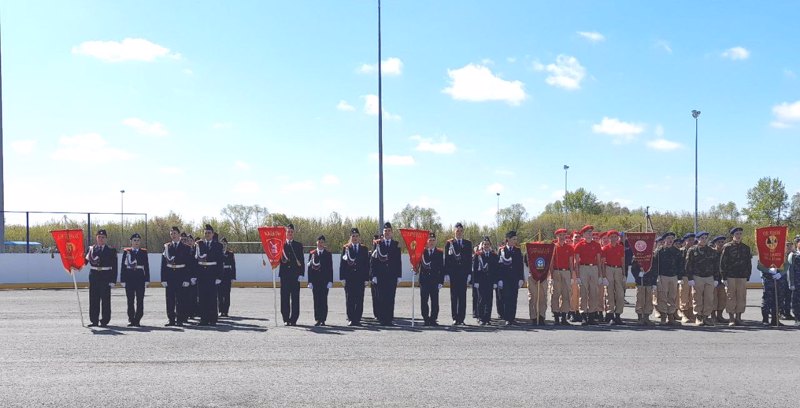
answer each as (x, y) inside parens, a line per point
(614, 276)
(588, 257)
(562, 273)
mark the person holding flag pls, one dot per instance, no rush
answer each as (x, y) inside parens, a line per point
(458, 254)
(562, 273)
(431, 275)
(102, 277)
(175, 278)
(354, 274)
(385, 272)
(134, 277)
(484, 279)
(227, 277)
(645, 287)
(771, 278)
(735, 263)
(290, 272)
(511, 271)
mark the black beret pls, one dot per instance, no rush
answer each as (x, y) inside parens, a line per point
(354, 231)
(701, 233)
(321, 238)
(486, 239)
(209, 228)
(135, 235)
(183, 235)
(176, 229)
(459, 225)
(717, 238)
(225, 240)
(688, 235)
(668, 234)
(511, 234)
(432, 235)
(290, 226)
(735, 230)
(387, 225)
(102, 232)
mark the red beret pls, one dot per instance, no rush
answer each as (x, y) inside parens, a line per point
(612, 232)
(560, 231)
(586, 228)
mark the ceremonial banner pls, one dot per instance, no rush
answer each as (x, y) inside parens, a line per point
(540, 255)
(771, 244)
(642, 245)
(70, 247)
(415, 240)
(272, 239)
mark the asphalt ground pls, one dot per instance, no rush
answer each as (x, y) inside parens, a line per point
(48, 360)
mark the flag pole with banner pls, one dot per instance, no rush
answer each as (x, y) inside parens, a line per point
(415, 240)
(70, 247)
(771, 244)
(272, 239)
(540, 258)
(642, 245)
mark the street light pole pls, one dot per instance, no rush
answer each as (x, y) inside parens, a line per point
(380, 127)
(565, 195)
(497, 234)
(695, 115)
(121, 217)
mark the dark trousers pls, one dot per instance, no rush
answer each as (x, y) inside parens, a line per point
(320, 293)
(429, 292)
(769, 300)
(498, 296)
(290, 300)
(354, 300)
(485, 293)
(193, 300)
(510, 293)
(134, 291)
(458, 298)
(796, 302)
(387, 288)
(177, 299)
(224, 296)
(373, 290)
(474, 302)
(207, 307)
(786, 306)
(99, 297)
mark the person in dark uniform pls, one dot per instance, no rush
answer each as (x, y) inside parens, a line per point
(646, 285)
(175, 278)
(354, 273)
(457, 269)
(320, 279)
(227, 278)
(290, 272)
(783, 284)
(102, 277)
(373, 288)
(484, 278)
(190, 294)
(134, 277)
(511, 273)
(385, 270)
(209, 255)
(430, 281)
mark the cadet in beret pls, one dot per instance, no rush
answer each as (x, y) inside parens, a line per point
(667, 265)
(134, 277)
(735, 262)
(209, 255)
(175, 278)
(385, 271)
(354, 274)
(511, 273)
(702, 271)
(228, 276)
(457, 265)
(431, 275)
(720, 295)
(290, 272)
(320, 279)
(563, 273)
(684, 290)
(102, 277)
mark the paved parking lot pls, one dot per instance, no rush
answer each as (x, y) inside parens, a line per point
(48, 359)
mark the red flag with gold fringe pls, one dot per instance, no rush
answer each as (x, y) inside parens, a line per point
(771, 242)
(415, 240)
(272, 239)
(540, 255)
(70, 247)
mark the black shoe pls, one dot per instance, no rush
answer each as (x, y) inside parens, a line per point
(618, 320)
(455, 322)
(91, 325)
(179, 324)
(316, 324)
(585, 319)
(286, 324)
(131, 324)
(577, 317)
(170, 324)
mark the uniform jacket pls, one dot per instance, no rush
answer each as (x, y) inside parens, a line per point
(485, 269)
(102, 258)
(139, 268)
(510, 271)
(431, 267)
(320, 267)
(214, 253)
(228, 266)
(458, 258)
(667, 261)
(176, 255)
(736, 260)
(385, 263)
(292, 261)
(355, 263)
(702, 261)
(649, 278)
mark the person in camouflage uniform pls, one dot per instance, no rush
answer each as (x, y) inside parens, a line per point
(702, 273)
(735, 264)
(684, 299)
(794, 280)
(667, 264)
(720, 294)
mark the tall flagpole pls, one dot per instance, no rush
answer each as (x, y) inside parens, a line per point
(380, 127)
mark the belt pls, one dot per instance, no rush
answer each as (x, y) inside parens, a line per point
(587, 264)
(173, 266)
(101, 268)
(561, 270)
(136, 267)
(228, 266)
(614, 266)
(206, 263)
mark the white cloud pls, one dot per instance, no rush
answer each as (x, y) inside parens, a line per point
(736, 53)
(306, 185)
(487, 61)
(145, 128)
(567, 72)
(664, 45)
(664, 145)
(241, 165)
(23, 147)
(477, 83)
(330, 180)
(130, 49)
(344, 106)
(619, 130)
(389, 66)
(371, 108)
(495, 188)
(246, 187)
(88, 147)
(171, 171)
(659, 131)
(429, 145)
(779, 125)
(394, 160)
(558, 195)
(592, 36)
(786, 114)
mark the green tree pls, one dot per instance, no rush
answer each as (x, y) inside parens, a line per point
(583, 201)
(767, 201)
(417, 217)
(512, 217)
(725, 211)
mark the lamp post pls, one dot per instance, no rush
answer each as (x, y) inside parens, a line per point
(565, 195)
(121, 217)
(497, 215)
(380, 127)
(695, 115)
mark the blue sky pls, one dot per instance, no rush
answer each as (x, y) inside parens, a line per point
(190, 106)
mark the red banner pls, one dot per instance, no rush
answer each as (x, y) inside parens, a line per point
(771, 244)
(540, 256)
(415, 240)
(642, 244)
(272, 239)
(70, 247)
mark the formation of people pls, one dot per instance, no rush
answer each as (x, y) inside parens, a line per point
(693, 279)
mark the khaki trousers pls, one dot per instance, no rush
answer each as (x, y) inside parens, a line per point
(575, 297)
(644, 300)
(561, 291)
(537, 303)
(590, 299)
(737, 295)
(666, 294)
(703, 295)
(721, 296)
(615, 291)
(685, 296)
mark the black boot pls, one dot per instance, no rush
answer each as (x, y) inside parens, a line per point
(618, 319)
(584, 319)
(764, 317)
(609, 317)
(577, 317)
(564, 321)
(775, 321)
(591, 319)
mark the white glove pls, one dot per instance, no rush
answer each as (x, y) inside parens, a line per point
(185, 284)
(724, 282)
(716, 283)
(476, 285)
(365, 283)
(500, 284)
(112, 284)
(439, 286)
(217, 281)
(641, 274)
(298, 278)
(605, 281)
(193, 280)
(654, 287)
(164, 284)
(773, 270)
(343, 282)
(398, 280)
(494, 286)
(521, 282)
(691, 283)
(572, 282)
(123, 284)
(374, 281)
(469, 278)
(146, 283)
(791, 287)
(777, 276)
(310, 285)
(579, 281)
(447, 278)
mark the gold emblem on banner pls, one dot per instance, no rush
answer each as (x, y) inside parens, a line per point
(772, 243)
